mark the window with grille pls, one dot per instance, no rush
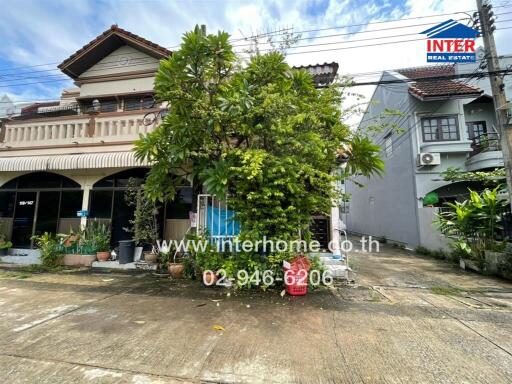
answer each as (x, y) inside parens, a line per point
(443, 128)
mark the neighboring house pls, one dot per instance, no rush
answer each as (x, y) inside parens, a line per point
(8, 107)
(446, 123)
(76, 154)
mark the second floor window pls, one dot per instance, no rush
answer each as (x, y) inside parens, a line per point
(388, 145)
(476, 129)
(443, 128)
(136, 103)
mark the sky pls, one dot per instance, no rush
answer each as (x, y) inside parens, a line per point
(36, 35)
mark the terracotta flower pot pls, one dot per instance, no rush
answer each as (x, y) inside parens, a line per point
(150, 258)
(176, 270)
(102, 256)
(209, 278)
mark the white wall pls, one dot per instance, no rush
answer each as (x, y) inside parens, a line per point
(430, 237)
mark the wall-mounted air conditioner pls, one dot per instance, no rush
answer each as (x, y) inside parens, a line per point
(429, 159)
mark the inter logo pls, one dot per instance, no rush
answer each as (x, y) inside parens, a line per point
(451, 42)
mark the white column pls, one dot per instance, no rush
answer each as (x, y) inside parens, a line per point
(335, 234)
(85, 204)
(335, 219)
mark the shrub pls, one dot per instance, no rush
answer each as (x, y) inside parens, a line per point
(51, 255)
(97, 236)
(473, 224)
(421, 250)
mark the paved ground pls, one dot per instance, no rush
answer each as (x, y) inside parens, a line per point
(407, 320)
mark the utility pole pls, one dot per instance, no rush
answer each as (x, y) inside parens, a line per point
(498, 88)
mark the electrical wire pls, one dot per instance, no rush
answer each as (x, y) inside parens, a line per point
(303, 31)
(62, 79)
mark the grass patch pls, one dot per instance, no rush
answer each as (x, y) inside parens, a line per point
(27, 271)
(14, 275)
(454, 291)
(447, 291)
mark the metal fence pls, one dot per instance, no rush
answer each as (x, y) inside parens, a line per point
(215, 220)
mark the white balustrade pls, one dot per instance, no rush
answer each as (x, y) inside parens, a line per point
(44, 132)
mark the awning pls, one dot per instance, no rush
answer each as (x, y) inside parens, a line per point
(58, 108)
(70, 162)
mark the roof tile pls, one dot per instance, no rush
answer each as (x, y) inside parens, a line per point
(436, 87)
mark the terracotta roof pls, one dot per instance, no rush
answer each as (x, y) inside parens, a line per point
(323, 74)
(111, 39)
(33, 107)
(30, 110)
(437, 88)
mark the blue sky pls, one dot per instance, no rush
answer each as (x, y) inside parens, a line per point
(36, 32)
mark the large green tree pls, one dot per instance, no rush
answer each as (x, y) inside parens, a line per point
(257, 131)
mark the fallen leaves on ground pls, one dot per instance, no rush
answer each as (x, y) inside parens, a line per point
(217, 327)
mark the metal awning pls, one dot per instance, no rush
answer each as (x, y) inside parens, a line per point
(70, 162)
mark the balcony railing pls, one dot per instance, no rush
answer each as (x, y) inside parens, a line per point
(80, 129)
(485, 142)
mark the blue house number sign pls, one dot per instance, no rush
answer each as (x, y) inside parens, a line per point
(82, 213)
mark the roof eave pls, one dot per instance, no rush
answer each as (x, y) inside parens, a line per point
(449, 96)
(146, 46)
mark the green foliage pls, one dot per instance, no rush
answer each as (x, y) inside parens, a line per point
(261, 134)
(473, 223)
(420, 250)
(4, 243)
(144, 225)
(487, 177)
(49, 248)
(364, 158)
(163, 260)
(98, 236)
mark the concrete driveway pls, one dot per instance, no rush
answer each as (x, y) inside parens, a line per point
(406, 320)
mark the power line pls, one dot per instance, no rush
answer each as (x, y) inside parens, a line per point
(367, 31)
(360, 74)
(300, 31)
(308, 38)
(290, 53)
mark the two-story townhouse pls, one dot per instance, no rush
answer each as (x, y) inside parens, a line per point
(73, 155)
(76, 154)
(445, 122)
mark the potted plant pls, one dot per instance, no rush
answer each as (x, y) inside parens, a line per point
(177, 267)
(162, 264)
(4, 243)
(99, 237)
(144, 225)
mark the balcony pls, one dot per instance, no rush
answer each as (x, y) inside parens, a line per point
(485, 152)
(105, 128)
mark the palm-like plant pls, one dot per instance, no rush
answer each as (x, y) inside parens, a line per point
(473, 224)
(364, 157)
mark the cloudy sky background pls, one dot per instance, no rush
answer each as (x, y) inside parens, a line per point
(39, 32)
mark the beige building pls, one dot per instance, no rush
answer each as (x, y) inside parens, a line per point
(59, 158)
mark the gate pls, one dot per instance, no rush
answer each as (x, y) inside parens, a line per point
(215, 220)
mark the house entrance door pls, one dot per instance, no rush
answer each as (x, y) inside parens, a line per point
(23, 223)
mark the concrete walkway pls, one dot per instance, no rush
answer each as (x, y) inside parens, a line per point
(407, 320)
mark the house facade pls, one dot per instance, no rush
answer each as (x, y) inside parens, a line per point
(73, 155)
(444, 122)
(63, 163)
